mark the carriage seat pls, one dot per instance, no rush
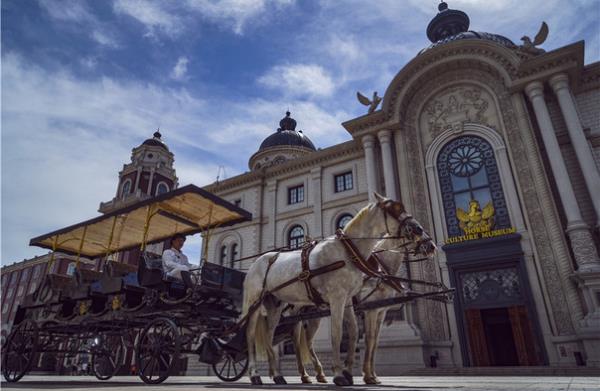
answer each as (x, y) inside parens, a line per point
(152, 274)
(87, 276)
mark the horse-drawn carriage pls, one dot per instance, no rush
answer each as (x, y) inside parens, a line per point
(215, 314)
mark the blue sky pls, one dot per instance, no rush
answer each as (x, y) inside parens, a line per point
(83, 82)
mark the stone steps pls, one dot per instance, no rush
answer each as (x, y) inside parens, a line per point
(505, 371)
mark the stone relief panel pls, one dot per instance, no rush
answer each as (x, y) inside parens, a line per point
(457, 104)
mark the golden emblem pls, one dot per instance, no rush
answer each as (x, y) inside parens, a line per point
(476, 220)
(116, 303)
(83, 308)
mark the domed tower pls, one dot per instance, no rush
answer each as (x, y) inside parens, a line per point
(150, 173)
(285, 144)
(452, 25)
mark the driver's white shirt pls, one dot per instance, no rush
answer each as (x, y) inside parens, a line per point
(173, 260)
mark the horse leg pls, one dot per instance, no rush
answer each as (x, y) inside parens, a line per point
(312, 325)
(337, 319)
(299, 339)
(250, 343)
(350, 320)
(380, 319)
(273, 315)
(371, 319)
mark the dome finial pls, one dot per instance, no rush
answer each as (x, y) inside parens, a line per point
(446, 23)
(157, 133)
(287, 123)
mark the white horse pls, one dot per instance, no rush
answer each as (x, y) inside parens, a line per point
(392, 254)
(271, 271)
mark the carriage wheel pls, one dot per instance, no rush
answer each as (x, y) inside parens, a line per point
(157, 351)
(230, 370)
(20, 351)
(108, 357)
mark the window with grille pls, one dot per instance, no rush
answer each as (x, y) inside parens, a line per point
(223, 255)
(468, 172)
(234, 254)
(343, 220)
(296, 236)
(343, 182)
(296, 194)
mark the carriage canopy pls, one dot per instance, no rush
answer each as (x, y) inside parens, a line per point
(186, 210)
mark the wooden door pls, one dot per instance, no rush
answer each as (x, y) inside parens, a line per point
(477, 342)
(525, 341)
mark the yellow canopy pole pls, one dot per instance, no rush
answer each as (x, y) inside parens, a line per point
(80, 246)
(149, 215)
(52, 256)
(110, 238)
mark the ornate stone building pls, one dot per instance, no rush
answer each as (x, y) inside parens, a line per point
(495, 148)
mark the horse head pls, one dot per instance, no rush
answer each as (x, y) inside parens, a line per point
(405, 226)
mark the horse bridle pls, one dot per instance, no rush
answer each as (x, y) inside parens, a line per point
(403, 222)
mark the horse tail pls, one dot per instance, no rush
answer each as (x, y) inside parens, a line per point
(261, 339)
(303, 347)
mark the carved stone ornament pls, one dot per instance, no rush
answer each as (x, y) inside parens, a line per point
(452, 107)
(548, 241)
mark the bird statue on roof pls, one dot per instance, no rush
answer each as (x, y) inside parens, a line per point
(529, 46)
(372, 103)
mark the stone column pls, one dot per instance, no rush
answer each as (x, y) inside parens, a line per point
(385, 140)
(560, 85)
(272, 213)
(137, 179)
(318, 201)
(368, 142)
(577, 230)
(150, 181)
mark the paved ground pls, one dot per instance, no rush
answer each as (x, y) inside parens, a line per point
(401, 383)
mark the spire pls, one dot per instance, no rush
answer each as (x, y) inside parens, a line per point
(446, 23)
(157, 134)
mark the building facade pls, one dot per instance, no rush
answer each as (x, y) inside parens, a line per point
(495, 148)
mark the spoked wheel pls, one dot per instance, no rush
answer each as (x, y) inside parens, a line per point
(228, 369)
(20, 351)
(107, 356)
(158, 350)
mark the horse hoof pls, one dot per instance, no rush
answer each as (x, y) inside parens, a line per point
(348, 377)
(371, 380)
(340, 380)
(279, 380)
(321, 378)
(255, 380)
(306, 380)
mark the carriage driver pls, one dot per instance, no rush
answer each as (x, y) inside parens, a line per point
(174, 261)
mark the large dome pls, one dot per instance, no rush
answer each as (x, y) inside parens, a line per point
(287, 135)
(453, 25)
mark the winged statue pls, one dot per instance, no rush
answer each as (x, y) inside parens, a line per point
(530, 46)
(475, 218)
(372, 103)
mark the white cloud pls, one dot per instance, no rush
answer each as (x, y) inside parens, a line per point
(179, 71)
(299, 80)
(105, 39)
(155, 15)
(236, 13)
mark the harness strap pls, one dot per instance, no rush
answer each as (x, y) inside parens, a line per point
(305, 276)
(369, 267)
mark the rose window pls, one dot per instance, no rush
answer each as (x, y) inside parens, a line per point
(465, 161)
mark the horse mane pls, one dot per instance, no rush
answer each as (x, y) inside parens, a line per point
(356, 219)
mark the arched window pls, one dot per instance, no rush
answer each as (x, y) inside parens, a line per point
(343, 220)
(162, 188)
(470, 186)
(233, 254)
(296, 236)
(126, 189)
(223, 256)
